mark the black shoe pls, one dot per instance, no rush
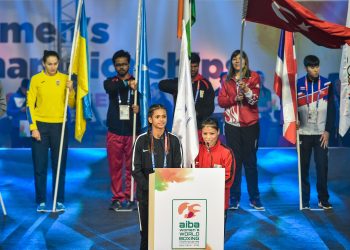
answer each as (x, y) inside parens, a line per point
(128, 206)
(41, 207)
(256, 204)
(60, 207)
(234, 204)
(325, 205)
(115, 205)
(306, 206)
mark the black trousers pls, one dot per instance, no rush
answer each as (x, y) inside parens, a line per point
(244, 143)
(50, 139)
(143, 209)
(307, 144)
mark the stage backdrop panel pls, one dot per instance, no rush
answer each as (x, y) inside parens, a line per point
(29, 27)
(186, 208)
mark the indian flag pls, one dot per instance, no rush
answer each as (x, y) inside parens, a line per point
(186, 11)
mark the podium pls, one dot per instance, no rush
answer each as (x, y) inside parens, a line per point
(186, 208)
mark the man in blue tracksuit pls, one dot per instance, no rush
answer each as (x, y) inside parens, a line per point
(316, 112)
(16, 110)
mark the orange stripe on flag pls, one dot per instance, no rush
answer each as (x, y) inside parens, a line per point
(180, 15)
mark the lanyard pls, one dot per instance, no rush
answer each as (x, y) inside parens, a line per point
(197, 91)
(128, 100)
(165, 152)
(312, 92)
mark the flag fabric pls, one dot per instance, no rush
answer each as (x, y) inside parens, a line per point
(81, 68)
(292, 16)
(143, 76)
(344, 111)
(187, 12)
(185, 124)
(285, 84)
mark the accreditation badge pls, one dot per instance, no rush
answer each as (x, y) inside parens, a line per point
(201, 93)
(312, 116)
(124, 112)
(24, 130)
(347, 102)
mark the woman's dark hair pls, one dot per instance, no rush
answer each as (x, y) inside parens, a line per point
(121, 53)
(245, 70)
(311, 61)
(48, 53)
(151, 110)
(210, 122)
(154, 107)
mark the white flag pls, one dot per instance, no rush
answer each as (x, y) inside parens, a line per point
(185, 123)
(344, 111)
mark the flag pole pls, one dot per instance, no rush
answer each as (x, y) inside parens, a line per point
(298, 146)
(241, 50)
(2, 205)
(297, 131)
(299, 166)
(298, 139)
(137, 58)
(244, 13)
(66, 105)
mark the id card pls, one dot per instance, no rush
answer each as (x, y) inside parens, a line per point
(347, 107)
(124, 112)
(347, 102)
(201, 93)
(312, 116)
(24, 130)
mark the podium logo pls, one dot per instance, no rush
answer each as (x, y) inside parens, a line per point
(189, 223)
(188, 210)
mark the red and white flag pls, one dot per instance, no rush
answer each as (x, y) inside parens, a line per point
(292, 16)
(285, 84)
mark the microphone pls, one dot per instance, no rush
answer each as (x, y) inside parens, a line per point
(211, 156)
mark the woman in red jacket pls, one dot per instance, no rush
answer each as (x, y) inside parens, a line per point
(240, 101)
(214, 154)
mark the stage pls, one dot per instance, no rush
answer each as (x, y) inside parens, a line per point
(88, 224)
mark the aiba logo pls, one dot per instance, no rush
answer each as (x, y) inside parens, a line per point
(188, 210)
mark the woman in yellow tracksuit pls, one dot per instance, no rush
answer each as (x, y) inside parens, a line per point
(45, 110)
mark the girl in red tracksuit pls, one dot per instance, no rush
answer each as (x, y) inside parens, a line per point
(214, 154)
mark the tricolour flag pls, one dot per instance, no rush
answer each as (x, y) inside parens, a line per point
(185, 124)
(186, 11)
(294, 17)
(81, 67)
(344, 111)
(285, 84)
(143, 77)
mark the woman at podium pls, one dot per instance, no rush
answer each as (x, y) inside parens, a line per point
(157, 148)
(214, 154)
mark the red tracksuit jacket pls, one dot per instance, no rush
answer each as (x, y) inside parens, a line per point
(222, 155)
(240, 114)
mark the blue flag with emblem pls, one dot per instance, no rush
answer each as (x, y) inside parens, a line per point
(143, 76)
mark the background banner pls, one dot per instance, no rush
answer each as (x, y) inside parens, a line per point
(29, 27)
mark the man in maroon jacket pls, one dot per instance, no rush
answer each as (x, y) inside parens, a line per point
(120, 90)
(203, 92)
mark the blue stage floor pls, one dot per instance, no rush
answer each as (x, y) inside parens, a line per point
(88, 224)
